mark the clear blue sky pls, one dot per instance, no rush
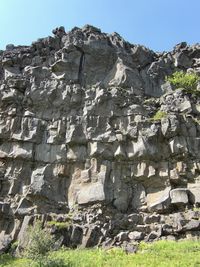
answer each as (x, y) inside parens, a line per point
(157, 24)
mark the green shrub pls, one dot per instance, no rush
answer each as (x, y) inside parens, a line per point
(39, 244)
(180, 79)
(13, 247)
(159, 115)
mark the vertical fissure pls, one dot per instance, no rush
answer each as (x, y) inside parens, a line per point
(81, 66)
(80, 71)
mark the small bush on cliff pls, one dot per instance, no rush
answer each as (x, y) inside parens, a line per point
(159, 115)
(40, 243)
(180, 79)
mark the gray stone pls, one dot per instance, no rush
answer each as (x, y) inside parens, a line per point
(4, 208)
(182, 60)
(76, 236)
(194, 193)
(16, 150)
(152, 236)
(159, 201)
(135, 235)
(193, 225)
(167, 229)
(91, 238)
(22, 236)
(154, 218)
(122, 236)
(50, 153)
(135, 218)
(191, 214)
(139, 197)
(10, 46)
(5, 243)
(179, 196)
(91, 193)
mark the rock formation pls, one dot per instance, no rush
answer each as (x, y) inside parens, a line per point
(79, 142)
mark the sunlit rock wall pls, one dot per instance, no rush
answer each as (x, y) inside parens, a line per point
(77, 128)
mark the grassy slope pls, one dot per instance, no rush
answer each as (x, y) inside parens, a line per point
(161, 254)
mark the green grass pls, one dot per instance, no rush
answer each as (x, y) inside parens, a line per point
(161, 254)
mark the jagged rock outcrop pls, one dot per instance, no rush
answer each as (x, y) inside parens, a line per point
(79, 142)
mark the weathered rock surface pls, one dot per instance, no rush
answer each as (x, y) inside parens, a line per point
(77, 136)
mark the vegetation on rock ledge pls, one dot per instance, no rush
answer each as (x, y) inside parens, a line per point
(59, 225)
(159, 115)
(188, 81)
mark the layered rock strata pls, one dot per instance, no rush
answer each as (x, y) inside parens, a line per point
(79, 142)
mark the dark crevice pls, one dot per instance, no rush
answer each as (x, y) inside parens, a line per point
(81, 66)
(80, 71)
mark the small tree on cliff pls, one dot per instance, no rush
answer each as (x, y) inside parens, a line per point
(39, 244)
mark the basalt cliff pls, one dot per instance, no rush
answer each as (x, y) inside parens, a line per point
(81, 147)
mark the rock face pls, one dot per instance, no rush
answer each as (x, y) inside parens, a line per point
(79, 142)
